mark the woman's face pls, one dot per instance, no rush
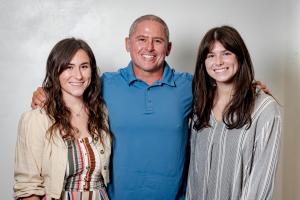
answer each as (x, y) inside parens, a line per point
(77, 75)
(221, 64)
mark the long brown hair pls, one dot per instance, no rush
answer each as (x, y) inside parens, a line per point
(238, 112)
(59, 58)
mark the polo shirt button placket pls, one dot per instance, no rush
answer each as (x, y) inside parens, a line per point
(149, 108)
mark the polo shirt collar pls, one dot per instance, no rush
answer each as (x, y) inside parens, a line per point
(168, 75)
(167, 78)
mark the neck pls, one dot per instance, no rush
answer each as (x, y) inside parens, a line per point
(148, 77)
(224, 90)
(223, 96)
(74, 103)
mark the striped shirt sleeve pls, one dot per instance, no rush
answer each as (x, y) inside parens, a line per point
(260, 183)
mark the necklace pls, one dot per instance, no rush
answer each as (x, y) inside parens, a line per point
(78, 113)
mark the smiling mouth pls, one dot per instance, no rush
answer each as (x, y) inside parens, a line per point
(219, 70)
(148, 57)
(76, 83)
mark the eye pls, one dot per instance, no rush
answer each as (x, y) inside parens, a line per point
(85, 66)
(227, 53)
(158, 41)
(69, 67)
(141, 39)
(210, 55)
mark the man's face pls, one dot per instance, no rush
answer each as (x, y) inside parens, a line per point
(148, 46)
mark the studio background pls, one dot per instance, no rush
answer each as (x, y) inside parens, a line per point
(30, 28)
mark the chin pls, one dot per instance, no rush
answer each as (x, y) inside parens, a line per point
(152, 68)
(77, 94)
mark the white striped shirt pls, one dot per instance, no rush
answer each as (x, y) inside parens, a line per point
(236, 164)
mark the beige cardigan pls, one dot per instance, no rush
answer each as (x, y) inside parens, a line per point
(40, 163)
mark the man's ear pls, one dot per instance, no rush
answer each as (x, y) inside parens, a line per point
(169, 47)
(127, 44)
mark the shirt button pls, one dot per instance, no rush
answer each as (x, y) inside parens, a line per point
(102, 151)
(105, 167)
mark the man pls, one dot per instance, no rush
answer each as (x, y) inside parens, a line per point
(148, 105)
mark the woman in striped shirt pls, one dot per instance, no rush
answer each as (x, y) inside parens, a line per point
(235, 128)
(63, 149)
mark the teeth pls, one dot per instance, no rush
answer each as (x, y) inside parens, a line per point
(76, 83)
(220, 70)
(148, 56)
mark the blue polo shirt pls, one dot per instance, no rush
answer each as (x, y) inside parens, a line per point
(149, 124)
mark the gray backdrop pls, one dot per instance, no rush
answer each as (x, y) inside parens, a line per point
(30, 28)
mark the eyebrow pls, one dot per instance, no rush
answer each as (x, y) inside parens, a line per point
(156, 37)
(220, 51)
(84, 63)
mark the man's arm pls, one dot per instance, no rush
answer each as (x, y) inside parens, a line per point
(33, 197)
(38, 98)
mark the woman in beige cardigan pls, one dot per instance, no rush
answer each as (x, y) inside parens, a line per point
(63, 149)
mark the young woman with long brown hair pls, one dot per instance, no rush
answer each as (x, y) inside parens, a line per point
(235, 128)
(63, 149)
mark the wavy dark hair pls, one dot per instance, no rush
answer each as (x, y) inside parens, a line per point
(58, 59)
(238, 111)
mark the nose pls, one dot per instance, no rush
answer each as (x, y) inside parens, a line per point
(77, 73)
(150, 45)
(219, 60)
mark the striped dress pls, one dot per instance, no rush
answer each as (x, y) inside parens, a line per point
(236, 164)
(83, 179)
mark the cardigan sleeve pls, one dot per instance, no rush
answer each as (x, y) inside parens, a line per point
(260, 183)
(28, 155)
(107, 146)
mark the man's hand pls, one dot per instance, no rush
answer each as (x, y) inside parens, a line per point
(263, 87)
(38, 98)
(32, 197)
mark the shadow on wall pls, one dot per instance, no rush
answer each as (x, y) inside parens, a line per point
(291, 144)
(183, 55)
